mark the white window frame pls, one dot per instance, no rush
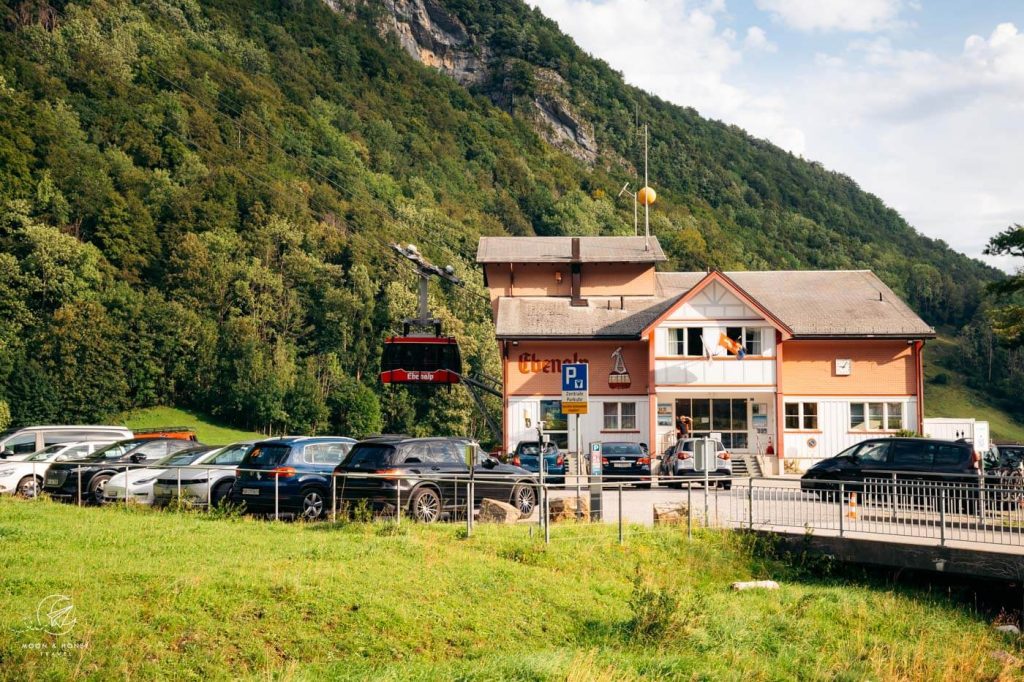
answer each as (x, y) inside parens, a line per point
(618, 416)
(802, 416)
(682, 334)
(866, 406)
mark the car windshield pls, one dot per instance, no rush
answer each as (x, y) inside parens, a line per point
(621, 449)
(46, 453)
(231, 454)
(114, 450)
(182, 458)
(369, 456)
(534, 449)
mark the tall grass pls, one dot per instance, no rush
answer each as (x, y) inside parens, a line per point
(178, 595)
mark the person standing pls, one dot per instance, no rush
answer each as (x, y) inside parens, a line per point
(684, 427)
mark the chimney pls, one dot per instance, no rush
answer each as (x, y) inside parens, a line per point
(575, 287)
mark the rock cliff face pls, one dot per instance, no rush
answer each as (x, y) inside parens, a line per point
(434, 36)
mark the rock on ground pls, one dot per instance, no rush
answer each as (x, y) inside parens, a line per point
(493, 511)
(565, 508)
(670, 512)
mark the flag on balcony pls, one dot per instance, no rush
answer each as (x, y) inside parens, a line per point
(733, 346)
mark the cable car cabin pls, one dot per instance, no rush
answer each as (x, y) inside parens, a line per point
(421, 360)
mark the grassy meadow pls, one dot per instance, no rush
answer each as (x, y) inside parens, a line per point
(207, 429)
(178, 595)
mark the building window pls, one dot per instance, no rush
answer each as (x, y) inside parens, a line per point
(802, 416)
(556, 425)
(876, 416)
(620, 416)
(687, 341)
(748, 337)
(727, 417)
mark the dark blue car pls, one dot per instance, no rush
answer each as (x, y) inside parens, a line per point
(296, 472)
(527, 456)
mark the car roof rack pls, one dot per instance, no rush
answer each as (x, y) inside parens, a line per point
(161, 429)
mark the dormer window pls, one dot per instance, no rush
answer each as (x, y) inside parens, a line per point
(687, 341)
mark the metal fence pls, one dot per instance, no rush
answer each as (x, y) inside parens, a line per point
(937, 511)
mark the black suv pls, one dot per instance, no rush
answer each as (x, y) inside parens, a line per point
(906, 459)
(85, 479)
(422, 473)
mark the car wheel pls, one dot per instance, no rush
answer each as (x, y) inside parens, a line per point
(425, 505)
(524, 498)
(28, 487)
(314, 505)
(97, 486)
(220, 492)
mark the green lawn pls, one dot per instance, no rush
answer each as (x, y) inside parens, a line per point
(208, 430)
(185, 596)
(956, 399)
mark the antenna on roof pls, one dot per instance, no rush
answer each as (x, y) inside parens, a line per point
(646, 196)
(625, 190)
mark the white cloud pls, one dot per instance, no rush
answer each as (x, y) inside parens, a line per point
(677, 50)
(937, 136)
(757, 39)
(835, 15)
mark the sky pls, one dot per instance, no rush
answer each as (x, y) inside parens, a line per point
(921, 102)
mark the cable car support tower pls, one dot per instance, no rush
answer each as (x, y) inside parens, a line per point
(432, 359)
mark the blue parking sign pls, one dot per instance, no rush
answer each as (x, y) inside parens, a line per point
(574, 377)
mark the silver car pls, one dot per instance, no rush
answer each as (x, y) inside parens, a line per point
(208, 482)
(678, 464)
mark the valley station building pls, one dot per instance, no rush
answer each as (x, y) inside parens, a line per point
(831, 357)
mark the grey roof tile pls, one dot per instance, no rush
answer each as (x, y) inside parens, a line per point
(559, 250)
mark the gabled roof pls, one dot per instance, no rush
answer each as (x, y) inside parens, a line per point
(559, 250)
(810, 304)
(732, 286)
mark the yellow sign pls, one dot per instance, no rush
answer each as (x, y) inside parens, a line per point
(574, 408)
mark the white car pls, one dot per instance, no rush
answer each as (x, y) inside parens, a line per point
(24, 475)
(137, 484)
(210, 479)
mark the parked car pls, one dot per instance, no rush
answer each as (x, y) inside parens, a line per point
(137, 484)
(25, 441)
(86, 478)
(678, 463)
(296, 472)
(626, 462)
(906, 459)
(210, 480)
(25, 475)
(421, 473)
(527, 456)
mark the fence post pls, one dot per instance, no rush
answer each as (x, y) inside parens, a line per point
(547, 513)
(126, 485)
(942, 516)
(469, 507)
(334, 497)
(209, 492)
(179, 484)
(398, 501)
(35, 481)
(689, 510)
(842, 494)
(620, 513)
(750, 503)
(277, 515)
(79, 486)
(892, 496)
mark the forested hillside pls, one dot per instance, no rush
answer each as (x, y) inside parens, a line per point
(196, 198)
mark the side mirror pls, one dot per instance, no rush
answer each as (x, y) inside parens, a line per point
(136, 458)
(5, 453)
(490, 463)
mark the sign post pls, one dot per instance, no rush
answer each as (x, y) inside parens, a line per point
(704, 457)
(576, 400)
(596, 476)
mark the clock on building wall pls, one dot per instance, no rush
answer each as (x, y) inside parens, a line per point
(844, 366)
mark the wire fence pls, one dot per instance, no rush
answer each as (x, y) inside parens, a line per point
(887, 506)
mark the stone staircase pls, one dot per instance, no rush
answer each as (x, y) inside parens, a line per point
(745, 465)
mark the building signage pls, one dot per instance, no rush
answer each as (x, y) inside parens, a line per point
(619, 376)
(575, 388)
(529, 363)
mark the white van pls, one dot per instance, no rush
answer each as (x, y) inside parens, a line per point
(33, 438)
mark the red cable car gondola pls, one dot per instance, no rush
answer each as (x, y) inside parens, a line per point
(421, 360)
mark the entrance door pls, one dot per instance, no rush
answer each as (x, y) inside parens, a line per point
(727, 416)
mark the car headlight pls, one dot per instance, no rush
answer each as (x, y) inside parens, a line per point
(145, 481)
(7, 472)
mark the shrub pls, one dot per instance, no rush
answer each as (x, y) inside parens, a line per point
(653, 609)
